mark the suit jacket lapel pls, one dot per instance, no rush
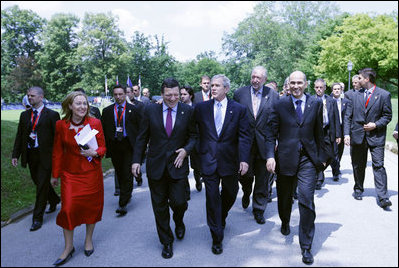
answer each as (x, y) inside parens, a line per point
(263, 101)
(308, 106)
(227, 117)
(373, 98)
(248, 100)
(43, 115)
(160, 119)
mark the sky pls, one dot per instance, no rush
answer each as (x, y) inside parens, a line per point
(190, 28)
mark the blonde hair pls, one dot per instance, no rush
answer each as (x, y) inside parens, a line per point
(68, 101)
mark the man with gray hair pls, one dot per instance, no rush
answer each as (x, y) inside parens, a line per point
(224, 143)
(356, 87)
(258, 99)
(34, 143)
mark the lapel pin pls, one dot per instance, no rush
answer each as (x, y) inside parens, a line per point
(182, 112)
(231, 112)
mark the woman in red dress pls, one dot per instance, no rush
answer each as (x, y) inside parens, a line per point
(82, 188)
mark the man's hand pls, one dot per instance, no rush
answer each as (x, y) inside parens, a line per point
(347, 140)
(136, 169)
(369, 127)
(395, 135)
(243, 168)
(54, 182)
(180, 157)
(14, 162)
(271, 165)
(338, 140)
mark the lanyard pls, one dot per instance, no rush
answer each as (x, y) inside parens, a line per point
(37, 119)
(120, 118)
(367, 102)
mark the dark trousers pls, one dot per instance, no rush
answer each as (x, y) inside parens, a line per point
(168, 192)
(44, 191)
(218, 204)
(257, 170)
(336, 162)
(122, 160)
(359, 163)
(306, 182)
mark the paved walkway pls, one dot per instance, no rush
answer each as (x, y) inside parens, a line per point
(348, 232)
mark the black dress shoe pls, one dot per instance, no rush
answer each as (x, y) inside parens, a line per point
(167, 251)
(198, 186)
(217, 248)
(385, 203)
(139, 181)
(52, 208)
(59, 262)
(88, 252)
(36, 225)
(307, 256)
(180, 230)
(318, 186)
(260, 219)
(117, 192)
(285, 229)
(336, 178)
(245, 201)
(295, 195)
(358, 195)
(121, 210)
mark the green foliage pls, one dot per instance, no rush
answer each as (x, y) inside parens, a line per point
(19, 43)
(58, 58)
(367, 42)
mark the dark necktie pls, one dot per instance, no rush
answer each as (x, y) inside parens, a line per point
(299, 109)
(168, 125)
(119, 134)
(30, 140)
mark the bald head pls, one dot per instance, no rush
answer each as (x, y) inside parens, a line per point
(298, 84)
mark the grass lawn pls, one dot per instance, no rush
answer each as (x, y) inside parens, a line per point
(17, 188)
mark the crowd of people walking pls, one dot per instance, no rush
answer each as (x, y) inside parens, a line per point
(258, 137)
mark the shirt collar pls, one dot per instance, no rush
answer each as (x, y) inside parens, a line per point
(39, 110)
(121, 105)
(260, 90)
(165, 107)
(223, 102)
(303, 99)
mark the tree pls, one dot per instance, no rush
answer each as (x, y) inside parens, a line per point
(23, 76)
(19, 43)
(58, 57)
(190, 73)
(101, 51)
(367, 42)
(274, 36)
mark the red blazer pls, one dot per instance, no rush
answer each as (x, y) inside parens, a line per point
(66, 152)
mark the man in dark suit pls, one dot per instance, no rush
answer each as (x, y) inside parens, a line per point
(205, 93)
(365, 128)
(356, 87)
(342, 103)
(224, 149)
(171, 132)
(34, 143)
(120, 123)
(258, 99)
(331, 124)
(297, 123)
(138, 96)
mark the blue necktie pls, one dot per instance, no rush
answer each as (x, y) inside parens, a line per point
(299, 110)
(218, 118)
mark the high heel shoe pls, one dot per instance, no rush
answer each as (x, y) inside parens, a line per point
(89, 252)
(60, 262)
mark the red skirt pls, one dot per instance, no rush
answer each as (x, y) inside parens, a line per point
(82, 198)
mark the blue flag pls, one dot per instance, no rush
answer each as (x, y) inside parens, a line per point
(129, 82)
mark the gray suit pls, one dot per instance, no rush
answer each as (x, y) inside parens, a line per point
(379, 111)
(257, 164)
